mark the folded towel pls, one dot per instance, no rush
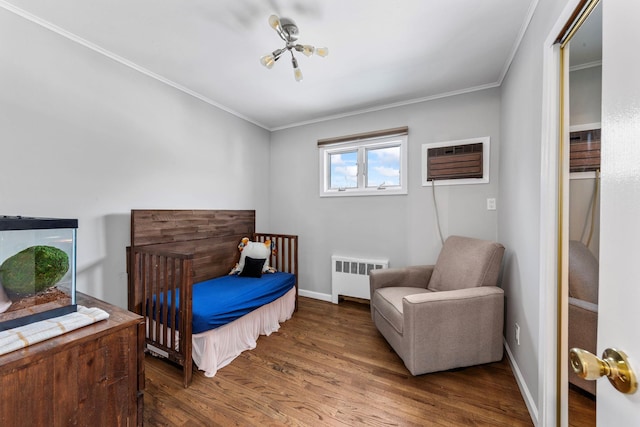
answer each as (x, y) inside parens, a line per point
(23, 336)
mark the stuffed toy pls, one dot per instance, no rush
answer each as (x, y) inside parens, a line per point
(255, 250)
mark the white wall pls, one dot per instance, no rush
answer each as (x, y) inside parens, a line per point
(585, 96)
(520, 192)
(85, 137)
(401, 228)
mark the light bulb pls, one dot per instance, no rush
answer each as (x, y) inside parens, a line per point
(297, 74)
(274, 21)
(268, 61)
(308, 49)
(322, 51)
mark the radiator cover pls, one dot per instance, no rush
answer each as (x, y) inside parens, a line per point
(350, 276)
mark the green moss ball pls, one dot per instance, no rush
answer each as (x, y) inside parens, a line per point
(33, 270)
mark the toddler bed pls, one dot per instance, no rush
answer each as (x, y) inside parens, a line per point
(183, 258)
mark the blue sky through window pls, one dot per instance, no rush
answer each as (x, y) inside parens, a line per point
(344, 170)
(383, 166)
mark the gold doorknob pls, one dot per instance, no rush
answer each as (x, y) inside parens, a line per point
(614, 365)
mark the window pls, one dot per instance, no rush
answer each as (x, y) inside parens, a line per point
(367, 164)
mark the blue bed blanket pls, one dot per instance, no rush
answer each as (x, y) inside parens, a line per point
(222, 300)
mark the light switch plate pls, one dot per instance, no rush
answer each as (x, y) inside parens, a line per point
(491, 204)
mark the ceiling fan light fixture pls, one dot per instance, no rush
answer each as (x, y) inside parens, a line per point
(296, 71)
(268, 61)
(274, 22)
(322, 51)
(306, 49)
(288, 31)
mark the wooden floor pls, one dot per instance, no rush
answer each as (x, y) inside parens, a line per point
(582, 408)
(329, 366)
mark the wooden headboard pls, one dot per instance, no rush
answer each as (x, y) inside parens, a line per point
(211, 236)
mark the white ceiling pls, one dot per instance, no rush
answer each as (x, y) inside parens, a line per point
(382, 53)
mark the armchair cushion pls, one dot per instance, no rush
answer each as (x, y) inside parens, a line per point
(466, 262)
(389, 301)
(414, 277)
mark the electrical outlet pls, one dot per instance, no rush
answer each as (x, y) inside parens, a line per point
(517, 334)
(491, 204)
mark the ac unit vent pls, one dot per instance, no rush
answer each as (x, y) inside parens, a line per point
(455, 162)
(584, 150)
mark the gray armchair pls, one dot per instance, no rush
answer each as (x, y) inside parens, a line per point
(443, 316)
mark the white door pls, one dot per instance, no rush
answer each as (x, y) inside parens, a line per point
(619, 297)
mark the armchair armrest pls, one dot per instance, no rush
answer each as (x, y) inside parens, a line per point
(415, 276)
(585, 305)
(458, 294)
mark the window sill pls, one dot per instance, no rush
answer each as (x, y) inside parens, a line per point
(356, 193)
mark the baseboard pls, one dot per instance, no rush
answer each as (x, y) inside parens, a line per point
(314, 295)
(524, 390)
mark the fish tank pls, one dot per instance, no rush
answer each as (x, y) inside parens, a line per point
(37, 269)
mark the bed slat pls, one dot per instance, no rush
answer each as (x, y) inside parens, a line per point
(286, 256)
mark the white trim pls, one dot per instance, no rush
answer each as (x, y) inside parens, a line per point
(585, 66)
(518, 41)
(388, 106)
(522, 385)
(582, 175)
(548, 336)
(486, 162)
(360, 147)
(585, 126)
(314, 295)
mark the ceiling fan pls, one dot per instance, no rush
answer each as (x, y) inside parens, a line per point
(288, 31)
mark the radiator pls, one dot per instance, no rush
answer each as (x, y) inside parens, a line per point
(350, 276)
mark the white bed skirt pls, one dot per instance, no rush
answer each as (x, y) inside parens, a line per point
(215, 349)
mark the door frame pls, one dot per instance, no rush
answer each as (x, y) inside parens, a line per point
(553, 352)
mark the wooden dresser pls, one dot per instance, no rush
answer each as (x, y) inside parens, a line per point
(93, 376)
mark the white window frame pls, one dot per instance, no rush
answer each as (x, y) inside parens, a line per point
(362, 145)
